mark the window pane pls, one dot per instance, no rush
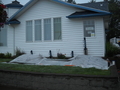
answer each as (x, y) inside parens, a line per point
(47, 29)
(57, 29)
(3, 36)
(29, 33)
(89, 28)
(38, 34)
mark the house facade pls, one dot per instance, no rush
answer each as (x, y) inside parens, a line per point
(44, 25)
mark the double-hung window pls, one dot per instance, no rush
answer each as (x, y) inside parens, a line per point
(47, 29)
(57, 29)
(29, 31)
(3, 36)
(38, 30)
(89, 28)
(43, 29)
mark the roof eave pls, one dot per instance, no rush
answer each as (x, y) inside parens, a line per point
(13, 22)
(81, 6)
(31, 2)
(26, 6)
(88, 15)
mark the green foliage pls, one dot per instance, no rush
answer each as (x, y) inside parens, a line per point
(71, 1)
(19, 52)
(92, 1)
(111, 50)
(61, 56)
(8, 55)
(5, 55)
(114, 26)
(2, 55)
(5, 60)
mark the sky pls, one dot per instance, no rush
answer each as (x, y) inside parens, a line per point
(23, 2)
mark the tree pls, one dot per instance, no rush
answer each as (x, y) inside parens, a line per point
(3, 15)
(71, 1)
(114, 25)
(92, 1)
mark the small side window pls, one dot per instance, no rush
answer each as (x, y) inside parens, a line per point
(3, 36)
(89, 28)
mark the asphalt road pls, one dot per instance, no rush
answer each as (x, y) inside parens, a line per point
(11, 88)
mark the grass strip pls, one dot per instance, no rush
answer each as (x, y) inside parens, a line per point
(54, 69)
(5, 60)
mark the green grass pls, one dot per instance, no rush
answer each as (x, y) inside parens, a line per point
(54, 69)
(5, 60)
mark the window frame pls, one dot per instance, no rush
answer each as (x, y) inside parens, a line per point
(4, 29)
(31, 30)
(40, 30)
(89, 28)
(44, 31)
(56, 30)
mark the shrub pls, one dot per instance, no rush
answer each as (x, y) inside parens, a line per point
(111, 50)
(5, 55)
(8, 55)
(18, 52)
(61, 56)
(2, 55)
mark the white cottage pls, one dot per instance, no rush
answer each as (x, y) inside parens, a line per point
(44, 25)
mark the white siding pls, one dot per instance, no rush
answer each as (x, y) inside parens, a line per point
(11, 11)
(72, 32)
(9, 47)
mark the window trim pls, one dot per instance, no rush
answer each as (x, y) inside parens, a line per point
(32, 31)
(41, 31)
(54, 30)
(50, 28)
(94, 34)
(5, 27)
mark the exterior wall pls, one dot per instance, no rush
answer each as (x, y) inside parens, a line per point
(72, 32)
(9, 47)
(11, 11)
(10, 34)
(96, 45)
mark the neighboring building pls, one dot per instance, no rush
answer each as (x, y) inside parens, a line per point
(43, 25)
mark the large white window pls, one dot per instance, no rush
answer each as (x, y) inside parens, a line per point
(57, 29)
(89, 28)
(47, 29)
(38, 30)
(3, 36)
(29, 31)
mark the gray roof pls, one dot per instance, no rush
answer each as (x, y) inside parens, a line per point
(32, 2)
(97, 5)
(14, 4)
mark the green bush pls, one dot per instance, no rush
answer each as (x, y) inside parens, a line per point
(19, 52)
(8, 55)
(2, 55)
(5, 55)
(111, 50)
(61, 56)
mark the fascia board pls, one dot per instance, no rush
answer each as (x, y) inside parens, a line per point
(88, 15)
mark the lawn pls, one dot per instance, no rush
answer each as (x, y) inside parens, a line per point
(52, 69)
(5, 60)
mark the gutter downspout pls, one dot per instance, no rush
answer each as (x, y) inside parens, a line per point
(85, 47)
